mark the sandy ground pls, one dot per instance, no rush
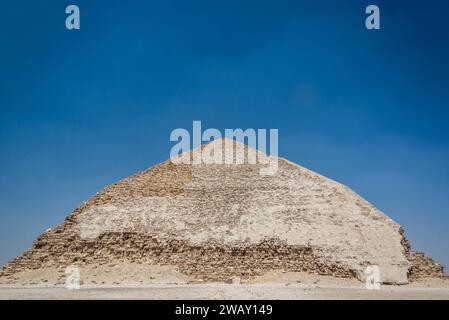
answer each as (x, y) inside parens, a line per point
(131, 281)
(225, 291)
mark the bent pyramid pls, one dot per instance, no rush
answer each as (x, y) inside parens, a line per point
(217, 221)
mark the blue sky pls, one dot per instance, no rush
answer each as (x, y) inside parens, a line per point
(82, 109)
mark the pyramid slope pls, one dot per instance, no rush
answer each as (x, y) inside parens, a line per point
(218, 221)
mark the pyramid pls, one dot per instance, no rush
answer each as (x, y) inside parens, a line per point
(218, 221)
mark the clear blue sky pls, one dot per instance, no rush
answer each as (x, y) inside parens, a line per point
(83, 109)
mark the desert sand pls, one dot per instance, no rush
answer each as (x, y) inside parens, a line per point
(130, 281)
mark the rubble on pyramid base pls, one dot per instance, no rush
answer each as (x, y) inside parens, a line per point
(209, 262)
